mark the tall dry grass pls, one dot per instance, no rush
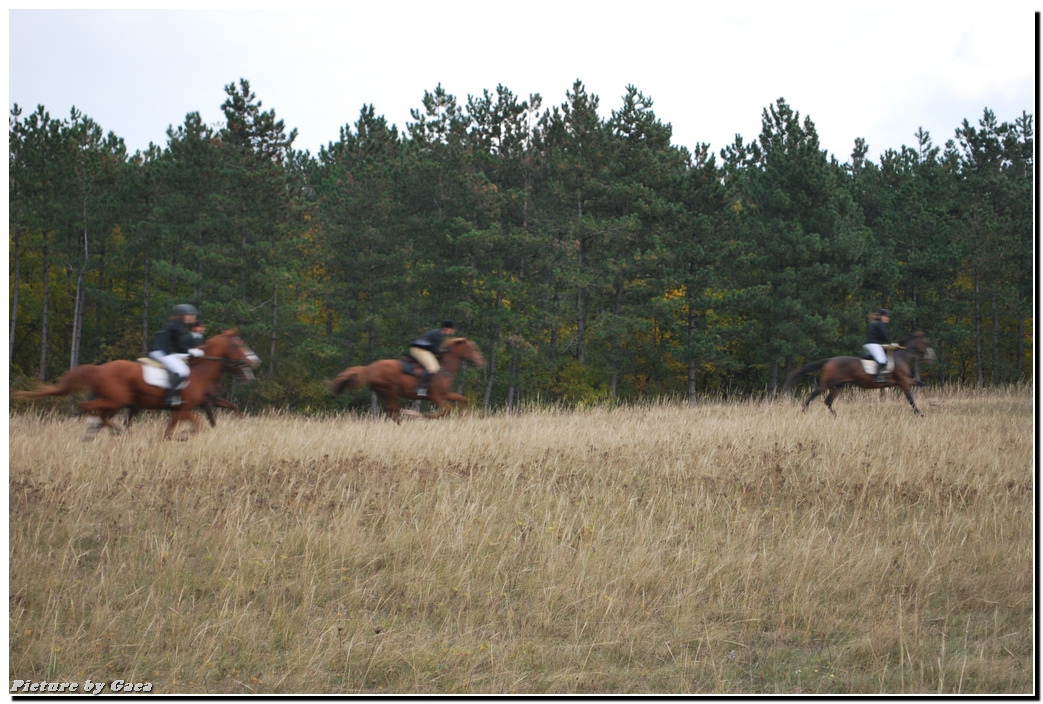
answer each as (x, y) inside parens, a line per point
(726, 548)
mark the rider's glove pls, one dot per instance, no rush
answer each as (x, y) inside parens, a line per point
(196, 352)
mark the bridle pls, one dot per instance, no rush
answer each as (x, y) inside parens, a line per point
(249, 360)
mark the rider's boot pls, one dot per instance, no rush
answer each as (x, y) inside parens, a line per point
(880, 372)
(173, 395)
(421, 386)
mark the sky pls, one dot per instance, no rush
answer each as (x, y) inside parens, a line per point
(878, 71)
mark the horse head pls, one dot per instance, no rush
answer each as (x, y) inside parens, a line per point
(466, 351)
(229, 348)
(917, 343)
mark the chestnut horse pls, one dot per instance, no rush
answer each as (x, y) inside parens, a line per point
(120, 383)
(837, 371)
(386, 378)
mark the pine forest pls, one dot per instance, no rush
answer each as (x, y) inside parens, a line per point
(590, 258)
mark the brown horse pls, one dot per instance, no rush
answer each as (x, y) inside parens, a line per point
(387, 379)
(837, 371)
(120, 383)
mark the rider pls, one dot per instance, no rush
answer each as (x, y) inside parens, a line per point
(877, 335)
(424, 350)
(172, 341)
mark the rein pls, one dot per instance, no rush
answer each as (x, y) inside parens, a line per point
(229, 360)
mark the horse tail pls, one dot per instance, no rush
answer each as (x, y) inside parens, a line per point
(806, 369)
(77, 379)
(348, 380)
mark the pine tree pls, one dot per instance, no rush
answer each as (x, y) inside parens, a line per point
(261, 212)
(994, 167)
(367, 257)
(805, 243)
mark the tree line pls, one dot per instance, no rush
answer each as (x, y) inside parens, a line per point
(590, 258)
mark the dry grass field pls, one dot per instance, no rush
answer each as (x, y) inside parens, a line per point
(724, 548)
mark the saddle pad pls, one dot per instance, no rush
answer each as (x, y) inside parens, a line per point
(156, 375)
(869, 365)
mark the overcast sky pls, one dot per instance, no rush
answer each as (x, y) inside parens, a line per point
(878, 71)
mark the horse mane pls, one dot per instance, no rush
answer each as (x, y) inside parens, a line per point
(232, 332)
(227, 334)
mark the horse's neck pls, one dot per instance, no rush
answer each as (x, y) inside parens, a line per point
(450, 362)
(904, 355)
(207, 368)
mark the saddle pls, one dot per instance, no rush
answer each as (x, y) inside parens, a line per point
(155, 374)
(410, 366)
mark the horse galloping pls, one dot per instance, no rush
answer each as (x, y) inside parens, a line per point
(837, 371)
(121, 383)
(387, 378)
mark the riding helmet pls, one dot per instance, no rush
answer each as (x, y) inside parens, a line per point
(185, 309)
(883, 312)
(448, 324)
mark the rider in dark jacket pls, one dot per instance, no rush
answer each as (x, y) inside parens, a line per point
(425, 349)
(877, 335)
(174, 339)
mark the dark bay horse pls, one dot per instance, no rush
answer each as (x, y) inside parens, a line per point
(387, 379)
(120, 384)
(837, 371)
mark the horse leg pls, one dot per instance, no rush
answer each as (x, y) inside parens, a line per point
(391, 405)
(443, 408)
(807, 402)
(101, 412)
(908, 391)
(224, 403)
(178, 415)
(197, 424)
(830, 397)
(208, 408)
(93, 426)
(106, 420)
(459, 399)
